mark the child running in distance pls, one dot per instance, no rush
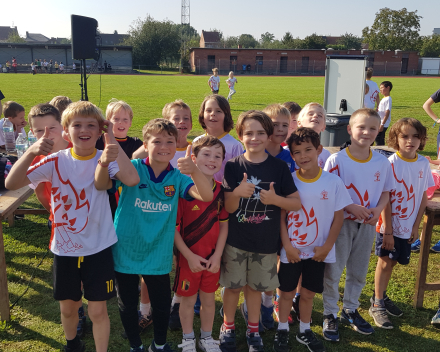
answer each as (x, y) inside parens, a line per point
(231, 81)
(214, 81)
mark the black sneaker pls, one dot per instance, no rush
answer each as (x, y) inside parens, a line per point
(281, 341)
(330, 328)
(174, 321)
(356, 321)
(137, 349)
(165, 348)
(80, 348)
(309, 339)
(380, 316)
(255, 342)
(227, 340)
(391, 308)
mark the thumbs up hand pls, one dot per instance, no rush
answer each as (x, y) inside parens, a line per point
(268, 197)
(245, 189)
(185, 164)
(108, 129)
(110, 152)
(43, 146)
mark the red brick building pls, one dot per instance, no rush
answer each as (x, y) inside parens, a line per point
(295, 61)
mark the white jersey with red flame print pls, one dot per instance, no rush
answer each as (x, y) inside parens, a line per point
(412, 177)
(309, 227)
(83, 222)
(365, 180)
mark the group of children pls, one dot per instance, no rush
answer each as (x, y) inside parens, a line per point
(214, 83)
(279, 214)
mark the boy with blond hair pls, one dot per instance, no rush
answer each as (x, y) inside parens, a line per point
(14, 112)
(81, 246)
(368, 178)
(214, 81)
(61, 102)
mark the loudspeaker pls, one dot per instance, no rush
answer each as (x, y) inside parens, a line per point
(83, 37)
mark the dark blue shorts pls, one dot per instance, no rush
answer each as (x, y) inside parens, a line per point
(401, 252)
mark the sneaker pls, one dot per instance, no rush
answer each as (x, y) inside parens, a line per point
(81, 327)
(255, 342)
(188, 345)
(309, 339)
(208, 344)
(380, 316)
(165, 348)
(227, 340)
(81, 348)
(356, 321)
(281, 341)
(276, 311)
(295, 306)
(137, 349)
(266, 317)
(415, 247)
(436, 318)
(330, 328)
(391, 308)
(245, 317)
(174, 321)
(197, 306)
(436, 248)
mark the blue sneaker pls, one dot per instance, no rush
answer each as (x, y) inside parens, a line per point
(436, 248)
(80, 329)
(255, 342)
(227, 340)
(244, 313)
(330, 328)
(165, 348)
(436, 318)
(197, 306)
(356, 322)
(415, 247)
(266, 317)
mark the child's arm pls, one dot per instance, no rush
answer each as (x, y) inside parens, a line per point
(435, 162)
(383, 200)
(321, 252)
(428, 109)
(292, 253)
(292, 202)
(140, 153)
(385, 118)
(415, 229)
(39, 192)
(243, 190)
(194, 261)
(213, 264)
(17, 177)
(209, 83)
(388, 238)
(360, 212)
(202, 188)
(109, 154)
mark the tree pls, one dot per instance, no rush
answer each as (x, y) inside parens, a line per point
(267, 38)
(431, 46)
(230, 42)
(313, 41)
(247, 41)
(394, 29)
(15, 38)
(350, 41)
(153, 41)
(288, 40)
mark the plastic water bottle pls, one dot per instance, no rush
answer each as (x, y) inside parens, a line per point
(21, 144)
(31, 138)
(9, 135)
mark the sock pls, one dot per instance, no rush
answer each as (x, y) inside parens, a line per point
(176, 299)
(205, 334)
(277, 297)
(145, 308)
(379, 302)
(267, 300)
(159, 347)
(245, 306)
(252, 327)
(303, 327)
(73, 344)
(189, 336)
(229, 326)
(283, 326)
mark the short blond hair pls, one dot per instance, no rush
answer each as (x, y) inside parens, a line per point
(61, 103)
(275, 110)
(157, 126)
(115, 106)
(365, 112)
(306, 108)
(83, 109)
(178, 103)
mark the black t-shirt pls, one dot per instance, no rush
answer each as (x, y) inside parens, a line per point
(129, 145)
(436, 96)
(255, 227)
(1, 95)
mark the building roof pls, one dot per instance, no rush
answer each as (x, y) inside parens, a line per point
(113, 39)
(5, 31)
(211, 37)
(36, 38)
(331, 40)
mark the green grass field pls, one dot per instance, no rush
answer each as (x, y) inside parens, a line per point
(35, 324)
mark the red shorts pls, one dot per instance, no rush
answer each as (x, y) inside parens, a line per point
(187, 283)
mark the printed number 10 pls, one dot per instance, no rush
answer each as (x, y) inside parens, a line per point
(109, 286)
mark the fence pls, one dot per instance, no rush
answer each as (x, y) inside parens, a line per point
(285, 67)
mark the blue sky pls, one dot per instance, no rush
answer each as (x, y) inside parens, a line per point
(233, 17)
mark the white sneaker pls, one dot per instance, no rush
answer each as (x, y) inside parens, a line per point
(188, 345)
(208, 344)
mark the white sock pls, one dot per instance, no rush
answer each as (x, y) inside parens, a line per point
(283, 326)
(267, 300)
(303, 327)
(145, 308)
(176, 299)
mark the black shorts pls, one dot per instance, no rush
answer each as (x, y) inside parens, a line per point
(312, 275)
(94, 271)
(401, 252)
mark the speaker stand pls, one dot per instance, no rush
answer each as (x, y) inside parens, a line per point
(83, 84)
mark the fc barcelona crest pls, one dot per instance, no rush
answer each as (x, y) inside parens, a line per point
(169, 191)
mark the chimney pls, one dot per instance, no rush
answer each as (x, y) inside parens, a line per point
(239, 46)
(27, 34)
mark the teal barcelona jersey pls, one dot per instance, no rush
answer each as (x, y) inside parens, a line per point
(146, 218)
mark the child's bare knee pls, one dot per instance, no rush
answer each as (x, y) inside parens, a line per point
(97, 310)
(68, 308)
(287, 295)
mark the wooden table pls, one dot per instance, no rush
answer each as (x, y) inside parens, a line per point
(9, 202)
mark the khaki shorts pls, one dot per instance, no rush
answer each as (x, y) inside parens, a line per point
(240, 268)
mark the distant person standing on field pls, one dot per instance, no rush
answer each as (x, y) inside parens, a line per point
(372, 97)
(384, 111)
(56, 66)
(14, 64)
(214, 81)
(61, 67)
(435, 98)
(50, 66)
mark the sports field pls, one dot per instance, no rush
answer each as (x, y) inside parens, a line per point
(35, 324)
